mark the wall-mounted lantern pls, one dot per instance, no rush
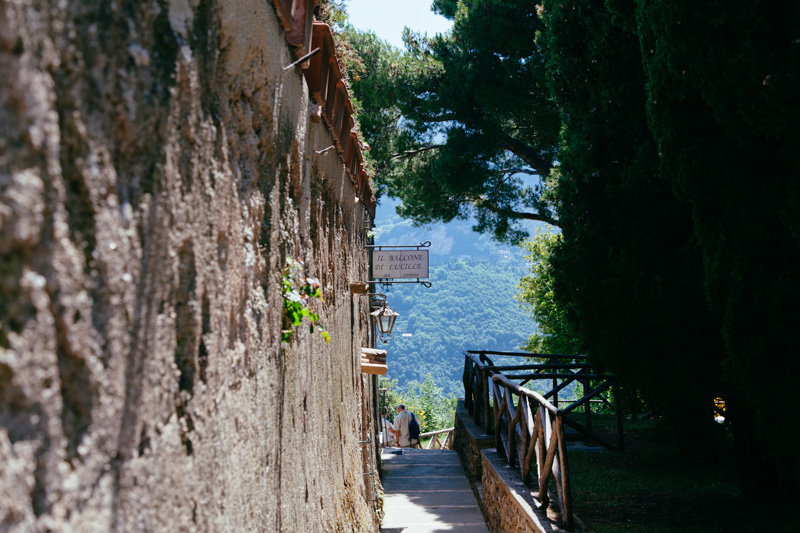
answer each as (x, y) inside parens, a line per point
(385, 317)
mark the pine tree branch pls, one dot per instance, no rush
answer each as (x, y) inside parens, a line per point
(531, 156)
(514, 170)
(510, 213)
(412, 153)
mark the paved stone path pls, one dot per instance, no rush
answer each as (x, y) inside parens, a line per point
(427, 491)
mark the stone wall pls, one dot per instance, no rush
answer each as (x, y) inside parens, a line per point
(157, 166)
(468, 440)
(508, 503)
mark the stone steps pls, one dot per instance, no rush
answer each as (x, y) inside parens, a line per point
(427, 491)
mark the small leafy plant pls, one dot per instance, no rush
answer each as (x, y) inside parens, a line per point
(298, 293)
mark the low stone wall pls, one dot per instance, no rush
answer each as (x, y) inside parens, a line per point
(507, 503)
(468, 440)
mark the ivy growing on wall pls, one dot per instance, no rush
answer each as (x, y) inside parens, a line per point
(299, 294)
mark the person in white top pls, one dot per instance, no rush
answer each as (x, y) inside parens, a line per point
(387, 438)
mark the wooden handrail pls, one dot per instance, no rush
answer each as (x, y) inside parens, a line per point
(529, 354)
(326, 87)
(522, 391)
(434, 443)
(432, 433)
(520, 442)
(528, 426)
(545, 366)
(328, 90)
(553, 375)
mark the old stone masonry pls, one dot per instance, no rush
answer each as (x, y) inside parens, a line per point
(158, 165)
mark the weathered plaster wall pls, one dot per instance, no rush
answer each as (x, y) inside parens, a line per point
(156, 168)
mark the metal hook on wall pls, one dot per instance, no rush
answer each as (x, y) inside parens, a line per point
(304, 58)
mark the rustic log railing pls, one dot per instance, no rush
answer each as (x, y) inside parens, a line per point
(528, 425)
(296, 16)
(477, 372)
(479, 368)
(328, 91)
(533, 428)
(435, 443)
(560, 370)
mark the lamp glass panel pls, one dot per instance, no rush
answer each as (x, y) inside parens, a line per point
(385, 318)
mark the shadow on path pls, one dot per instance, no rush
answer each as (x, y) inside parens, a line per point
(427, 491)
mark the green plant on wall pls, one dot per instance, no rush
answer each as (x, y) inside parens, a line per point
(298, 293)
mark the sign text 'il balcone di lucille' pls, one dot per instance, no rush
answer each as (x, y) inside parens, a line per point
(389, 264)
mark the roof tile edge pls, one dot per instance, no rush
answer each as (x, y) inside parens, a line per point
(327, 88)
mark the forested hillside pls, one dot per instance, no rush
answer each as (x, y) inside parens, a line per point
(469, 306)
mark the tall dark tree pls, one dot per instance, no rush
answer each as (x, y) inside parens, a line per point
(694, 121)
(723, 101)
(627, 267)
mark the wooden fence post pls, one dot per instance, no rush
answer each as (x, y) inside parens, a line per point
(620, 416)
(487, 408)
(566, 492)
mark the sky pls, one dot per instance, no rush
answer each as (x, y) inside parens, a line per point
(387, 18)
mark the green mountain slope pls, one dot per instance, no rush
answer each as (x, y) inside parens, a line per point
(470, 306)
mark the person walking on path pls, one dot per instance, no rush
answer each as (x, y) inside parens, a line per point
(400, 428)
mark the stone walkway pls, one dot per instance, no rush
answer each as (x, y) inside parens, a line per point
(427, 491)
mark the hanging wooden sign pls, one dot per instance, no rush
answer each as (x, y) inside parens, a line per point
(399, 264)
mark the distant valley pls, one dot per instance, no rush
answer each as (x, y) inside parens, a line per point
(470, 305)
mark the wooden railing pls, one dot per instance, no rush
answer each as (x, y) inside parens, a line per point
(477, 372)
(435, 443)
(560, 370)
(296, 16)
(479, 368)
(328, 90)
(533, 428)
(528, 425)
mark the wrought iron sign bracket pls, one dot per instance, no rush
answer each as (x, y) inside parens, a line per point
(425, 244)
(388, 282)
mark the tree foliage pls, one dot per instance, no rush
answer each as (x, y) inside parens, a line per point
(725, 122)
(554, 332)
(627, 267)
(458, 120)
(667, 133)
(669, 120)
